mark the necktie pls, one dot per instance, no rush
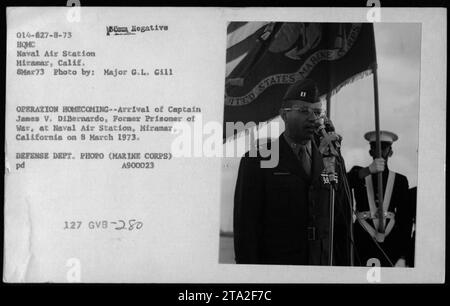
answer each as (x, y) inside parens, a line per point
(305, 160)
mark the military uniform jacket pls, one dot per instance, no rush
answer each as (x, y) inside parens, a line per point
(396, 242)
(275, 210)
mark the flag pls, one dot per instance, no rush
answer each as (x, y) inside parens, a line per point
(264, 58)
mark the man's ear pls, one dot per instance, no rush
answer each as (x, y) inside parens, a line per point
(391, 152)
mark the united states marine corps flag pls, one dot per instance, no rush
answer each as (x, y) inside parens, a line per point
(264, 58)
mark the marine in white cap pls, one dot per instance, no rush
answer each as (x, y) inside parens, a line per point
(396, 209)
(378, 164)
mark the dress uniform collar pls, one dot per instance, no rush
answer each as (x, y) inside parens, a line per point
(290, 160)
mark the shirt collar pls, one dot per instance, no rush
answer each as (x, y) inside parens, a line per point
(296, 146)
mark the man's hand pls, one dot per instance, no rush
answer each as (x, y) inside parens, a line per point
(377, 165)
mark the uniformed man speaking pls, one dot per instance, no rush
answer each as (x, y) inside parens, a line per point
(391, 247)
(281, 214)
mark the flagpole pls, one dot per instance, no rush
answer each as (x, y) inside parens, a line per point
(330, 199)
(380, 212)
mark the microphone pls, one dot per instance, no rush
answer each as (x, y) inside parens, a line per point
(329, 149)
(325, 128)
